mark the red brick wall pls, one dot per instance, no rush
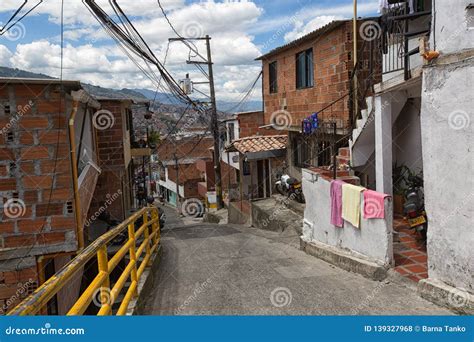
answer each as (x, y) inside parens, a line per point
(249, 123)
(15, 285)
(28, 164)
(108, 192)
(332, 66)
(33, 133)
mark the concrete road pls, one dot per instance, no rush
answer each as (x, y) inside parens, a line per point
(210, 269)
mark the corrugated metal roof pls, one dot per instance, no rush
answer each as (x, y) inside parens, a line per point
(259, 143)
(22, 80)
(312, 35)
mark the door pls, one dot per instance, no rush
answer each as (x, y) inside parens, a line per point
(260, 179)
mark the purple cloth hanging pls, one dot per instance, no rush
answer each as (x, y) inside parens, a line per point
(336, 203)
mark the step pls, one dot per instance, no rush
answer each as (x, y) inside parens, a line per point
(369, 101)
(365, 114)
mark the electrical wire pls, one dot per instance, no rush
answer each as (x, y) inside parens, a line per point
(190, 45)
(246, 96)
(7, 27)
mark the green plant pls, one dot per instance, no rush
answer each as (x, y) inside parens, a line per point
(399, 178)
(153, 137)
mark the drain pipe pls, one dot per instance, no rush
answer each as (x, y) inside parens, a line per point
(77, 199)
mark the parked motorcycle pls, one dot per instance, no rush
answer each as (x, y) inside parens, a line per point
(290, 187)
(414, 206)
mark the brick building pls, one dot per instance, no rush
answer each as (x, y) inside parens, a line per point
(313, 75)
(42, 176)
(186, 153)
(114, 186)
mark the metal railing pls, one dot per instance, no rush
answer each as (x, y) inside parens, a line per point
(141, 243)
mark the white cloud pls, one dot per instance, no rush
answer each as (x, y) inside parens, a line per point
(5, 56)
(300, 29)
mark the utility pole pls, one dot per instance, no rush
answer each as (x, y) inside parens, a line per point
(214, 122)
(215, 128)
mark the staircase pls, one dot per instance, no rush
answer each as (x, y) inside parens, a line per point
(343, 171)
(362, 143)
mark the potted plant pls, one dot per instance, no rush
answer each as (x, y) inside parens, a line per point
(399, 181)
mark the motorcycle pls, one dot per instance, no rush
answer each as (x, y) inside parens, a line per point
(290, 187)
(414, 206)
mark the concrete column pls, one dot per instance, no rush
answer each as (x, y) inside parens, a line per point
(383, 144)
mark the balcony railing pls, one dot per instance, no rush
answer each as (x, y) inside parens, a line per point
(401, 24)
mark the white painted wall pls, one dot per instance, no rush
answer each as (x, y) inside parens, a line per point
(170, 185)
(407, 136)
(453, 28)
(447, 123)
(373, 240)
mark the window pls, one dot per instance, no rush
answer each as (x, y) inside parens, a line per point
(300, 152)
(273, 77)
(304, 69)
(231, 128)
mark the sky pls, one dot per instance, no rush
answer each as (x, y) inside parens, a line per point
(240, 32)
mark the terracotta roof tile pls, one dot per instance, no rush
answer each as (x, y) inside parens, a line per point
(260, 143)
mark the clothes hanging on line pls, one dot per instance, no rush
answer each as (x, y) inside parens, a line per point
(351, 203)
(336, 203)
(374, 204)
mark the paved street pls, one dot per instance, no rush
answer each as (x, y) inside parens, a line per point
(210, 269)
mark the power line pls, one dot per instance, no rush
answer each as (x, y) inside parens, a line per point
(7, 27)
(188, 44)
(247, 95)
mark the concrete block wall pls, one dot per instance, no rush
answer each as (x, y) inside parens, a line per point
(371, 241)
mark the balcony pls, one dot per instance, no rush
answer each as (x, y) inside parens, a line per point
(402, 25)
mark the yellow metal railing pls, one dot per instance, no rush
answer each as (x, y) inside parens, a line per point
(145, 240)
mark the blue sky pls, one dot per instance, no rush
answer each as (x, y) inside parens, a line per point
(240, 31)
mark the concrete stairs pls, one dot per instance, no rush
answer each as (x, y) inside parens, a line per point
(362, 142)
(363, 135)
(273, 214)
(343, 171)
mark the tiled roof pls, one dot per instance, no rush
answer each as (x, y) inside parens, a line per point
(259, 143)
